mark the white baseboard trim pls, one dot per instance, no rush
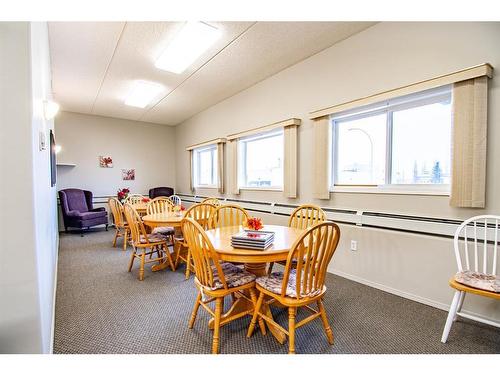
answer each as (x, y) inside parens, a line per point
(410, 296)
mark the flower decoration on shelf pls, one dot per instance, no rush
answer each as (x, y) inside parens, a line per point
(122, 194)
(146, 199)
(254, 223)
(179, 209)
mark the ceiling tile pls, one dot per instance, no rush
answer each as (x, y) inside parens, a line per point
(80, 53)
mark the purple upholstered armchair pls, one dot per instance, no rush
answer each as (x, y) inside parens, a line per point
(78, 210)
(160, 192)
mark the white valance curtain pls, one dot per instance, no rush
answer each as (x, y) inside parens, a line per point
(289, 127)
(469, 132)
(220, 162)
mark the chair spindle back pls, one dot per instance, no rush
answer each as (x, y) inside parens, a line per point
(201, 213)
(306, 216)
(135, 223)
(229, 215)
(312, 253)
(159, 205)
(135, 198)
(476, 244)
(117, 211)
(213, 201)
(176, 200)
(205, 259)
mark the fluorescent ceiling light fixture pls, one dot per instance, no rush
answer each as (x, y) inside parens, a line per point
(194, 39)
(143, 93)
(50, 109)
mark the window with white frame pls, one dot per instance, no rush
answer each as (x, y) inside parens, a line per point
(205, 166)
(404, 142)
(260, 161)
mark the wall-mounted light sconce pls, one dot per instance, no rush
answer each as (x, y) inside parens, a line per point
(57, 148)
(50, 109)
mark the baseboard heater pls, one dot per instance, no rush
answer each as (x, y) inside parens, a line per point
(430, 226)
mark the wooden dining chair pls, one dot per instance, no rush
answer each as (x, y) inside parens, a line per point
(176, 200)
(476, 252)
(201, 213)
(145, 244)
(135, 199)
(303, 285)
(215, 280)
(161, 205)
(121, 226)
(213, 201)
(303, 217)
(228, 215)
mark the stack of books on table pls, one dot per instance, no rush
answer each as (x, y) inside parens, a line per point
(252, 239)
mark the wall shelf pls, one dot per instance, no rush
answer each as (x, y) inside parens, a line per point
(66, 164)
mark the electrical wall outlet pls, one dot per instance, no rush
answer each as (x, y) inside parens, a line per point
(354, 245)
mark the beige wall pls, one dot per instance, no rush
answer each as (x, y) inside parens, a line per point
(149, 148)
(385, 56)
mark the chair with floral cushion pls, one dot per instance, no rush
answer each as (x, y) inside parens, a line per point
(156, 243)
(228, 215)
(303, 217)
(121, 226)
(215, 280)
(201, 213)
(476, 251)
(303, 285)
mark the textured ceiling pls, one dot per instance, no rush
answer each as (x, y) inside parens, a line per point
(94, 64)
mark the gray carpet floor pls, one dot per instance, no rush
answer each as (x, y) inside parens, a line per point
(102, 308)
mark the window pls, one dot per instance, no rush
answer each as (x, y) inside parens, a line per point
(402, 142)
(260, 161)
(205, 166)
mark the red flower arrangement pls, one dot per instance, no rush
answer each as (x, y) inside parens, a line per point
(254, 223)
(145, 200)
(122, 194)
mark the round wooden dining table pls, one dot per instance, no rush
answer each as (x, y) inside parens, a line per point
(254, 261)
(165, 219)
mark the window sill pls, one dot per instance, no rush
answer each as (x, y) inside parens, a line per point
(206, 187)
(261, 189)
(441, 191)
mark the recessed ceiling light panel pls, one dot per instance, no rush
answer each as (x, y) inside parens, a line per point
(194, 39)
(143, 93)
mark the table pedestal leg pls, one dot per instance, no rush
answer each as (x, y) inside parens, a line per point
(242, 304)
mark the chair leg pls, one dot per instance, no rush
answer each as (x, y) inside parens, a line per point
(132, 258)
(255, 315)
(253, 296)
(177, 253)
(125, 240)
(141, 269)
(116, 237)
(218, 313)
(291, 329)
(195, 310)
(326, 325)
(188, 264)
(460, 304)
(106, 227)
(451, 316)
